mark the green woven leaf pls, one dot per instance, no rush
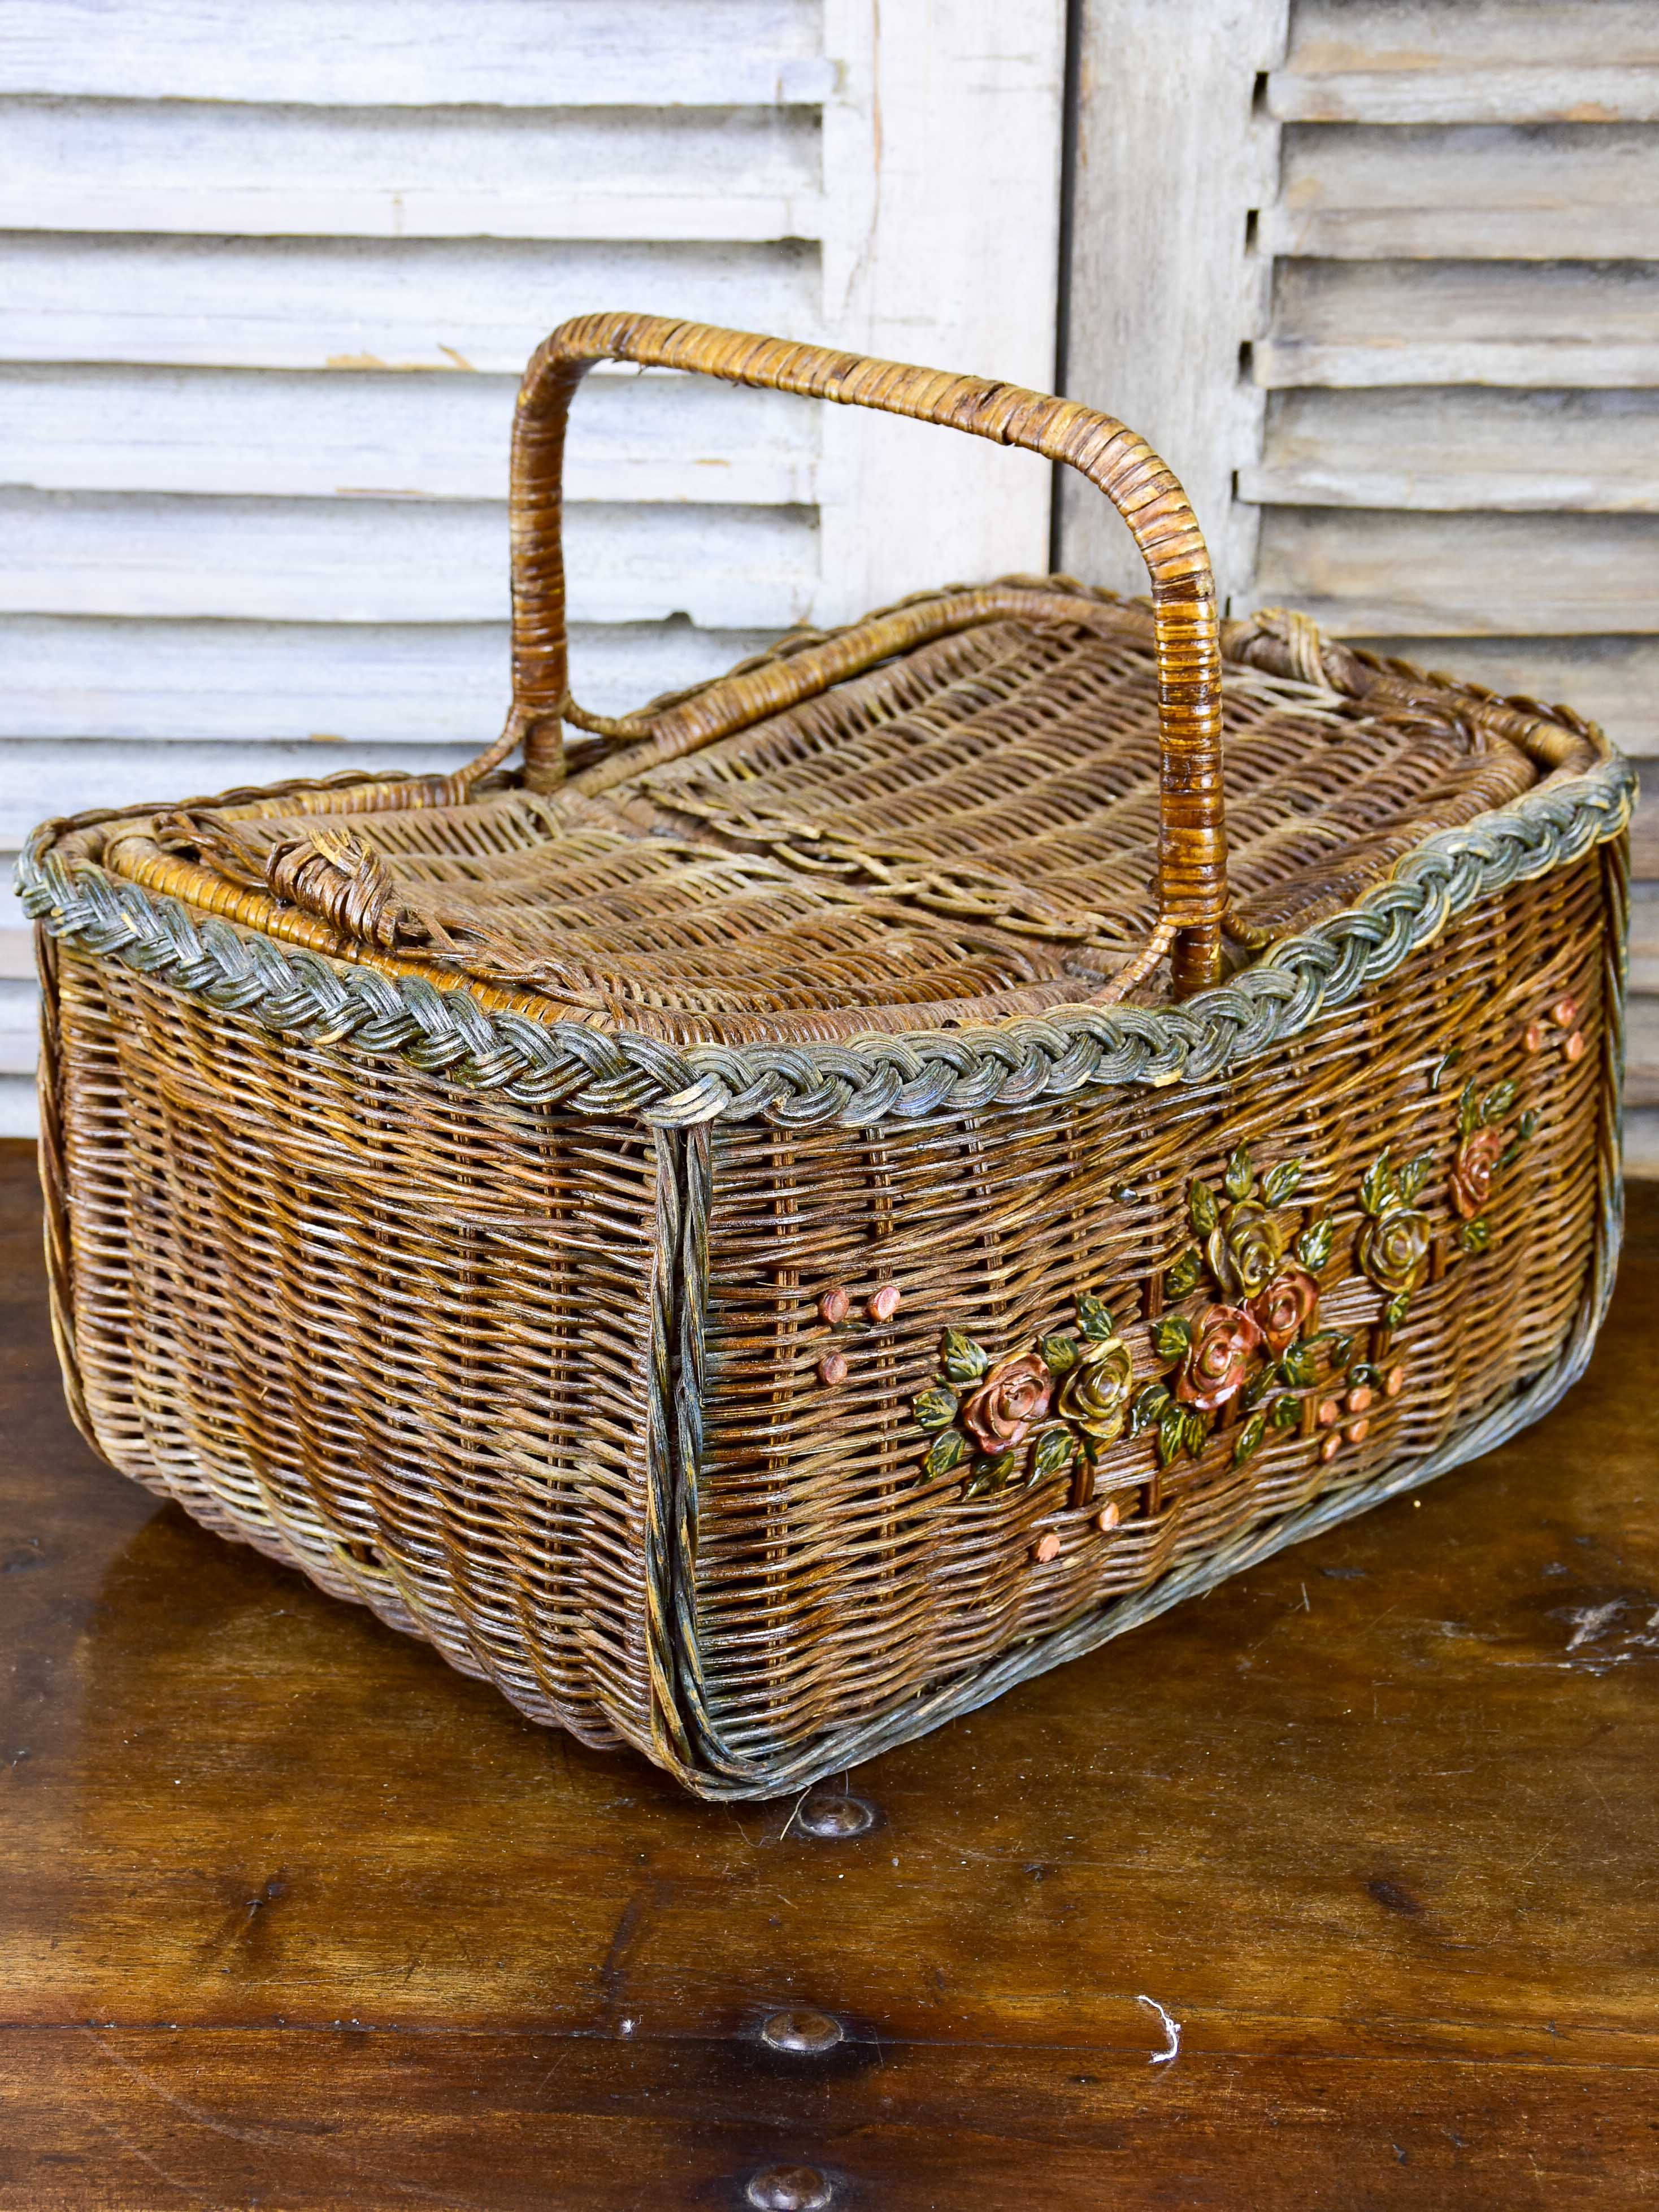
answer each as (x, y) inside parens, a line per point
(1411, 1176)
(964, 1360)
(1059, 1351)
(1094, 1317)
(947, 1450)
(1201, 1208)
(1054, 1449)
(1341, 1350)
(1396, 1309)
(1378, 1186)
(1468, 1108)
(1259, 1384)
(999, 1469)
(1239, 1179)
(1497, 1102)
(1171, 1432)
(1526, 1125)
(1198, 1426)
(936, 1409)
(1286, 1412)
(1299, 1365)
(1475, 1236)
(1148, 1406)
(1363, 1373)
(1172, 1337)
(1248, 1438)
(1182, 1275)
(1313, 1246)
(1281, 1183)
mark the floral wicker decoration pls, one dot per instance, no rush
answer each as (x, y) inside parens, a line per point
(1036, 1415)
(1484, 1149)
(1255, 1348)
(1252, 1358)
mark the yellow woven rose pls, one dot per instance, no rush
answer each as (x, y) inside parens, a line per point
(1094, 1396)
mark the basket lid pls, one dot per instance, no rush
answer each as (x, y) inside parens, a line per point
(961, 830)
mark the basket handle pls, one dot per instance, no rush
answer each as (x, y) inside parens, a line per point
(1191, 843)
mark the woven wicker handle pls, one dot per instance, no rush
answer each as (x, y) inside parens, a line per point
(1192, 846)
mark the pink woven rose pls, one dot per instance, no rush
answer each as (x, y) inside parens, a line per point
(1217, 1362)
(1008, 1403)
(1286, 1307)
(1472, 1169)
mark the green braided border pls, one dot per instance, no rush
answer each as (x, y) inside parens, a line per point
(589, 1071)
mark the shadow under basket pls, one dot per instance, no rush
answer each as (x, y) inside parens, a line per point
(777, 1218)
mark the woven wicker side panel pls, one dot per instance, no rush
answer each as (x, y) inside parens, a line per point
(835, 1581)
(385, 1331)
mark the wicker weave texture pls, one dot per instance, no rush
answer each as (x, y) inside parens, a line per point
(785, 1215)
(834, 1584)
(389, 1335)
(414, 1340)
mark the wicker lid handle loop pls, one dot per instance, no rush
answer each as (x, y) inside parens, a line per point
(1192, 846)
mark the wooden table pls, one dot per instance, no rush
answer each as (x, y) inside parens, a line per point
(294, 1916)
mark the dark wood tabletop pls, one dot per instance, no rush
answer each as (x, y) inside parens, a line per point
(294, 1916)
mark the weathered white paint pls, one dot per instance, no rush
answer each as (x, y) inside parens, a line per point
(659, 437)
(1591, 452)
(942, 156)
(1369, 323)
(1540, 93)
(1468, 192)
(155, 683)
(379, 561)
(1429, 40)
(1166, 284)
(352, 304)
(492, 53)
(1642, 1053)
(1645, 946)
(1443, 575)
(622, 173)
(19, 1034)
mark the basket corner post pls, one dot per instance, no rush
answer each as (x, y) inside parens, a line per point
(55, 1196)
(680, 1736)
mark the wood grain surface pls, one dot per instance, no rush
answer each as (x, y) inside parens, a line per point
(293, 1916)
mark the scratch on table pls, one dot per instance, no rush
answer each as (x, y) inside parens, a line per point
(1171, 2028)
(1591, 1620)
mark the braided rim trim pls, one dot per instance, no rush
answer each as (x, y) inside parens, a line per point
(588, 1071)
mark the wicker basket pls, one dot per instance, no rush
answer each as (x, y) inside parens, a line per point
(793, 1211)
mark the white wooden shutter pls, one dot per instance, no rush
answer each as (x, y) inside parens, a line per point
(268, 276)
(1415, 389)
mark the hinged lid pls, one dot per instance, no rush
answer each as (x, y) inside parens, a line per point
(985, 803)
